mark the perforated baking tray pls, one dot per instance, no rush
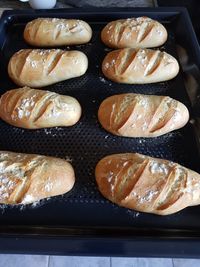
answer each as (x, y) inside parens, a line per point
(83, 219)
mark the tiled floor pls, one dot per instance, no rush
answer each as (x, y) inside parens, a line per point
(65, 261)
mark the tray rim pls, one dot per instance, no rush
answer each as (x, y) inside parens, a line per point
(142, 242)
(180, 244)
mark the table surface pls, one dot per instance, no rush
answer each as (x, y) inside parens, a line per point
(81, 3)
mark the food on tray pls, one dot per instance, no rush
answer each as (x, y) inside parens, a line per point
(38, 68)
(139, 66)
(43, 32)
(136, 115)
(26, 178)
(33, 109)
(139, 32)
(147, 184)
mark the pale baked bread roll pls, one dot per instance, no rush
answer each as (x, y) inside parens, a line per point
(44, 32)
(139, 32)
(139, 66)
(38, 68)
(135, 115)
(147, 184)
(26, 178)
(33, 109)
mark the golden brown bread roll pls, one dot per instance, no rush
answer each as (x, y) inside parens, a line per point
(136, 115)
(139, 32)
(44, 32)
(147, 184)
(33, 109)
(139, 66)
(38, 68)
(26, 178)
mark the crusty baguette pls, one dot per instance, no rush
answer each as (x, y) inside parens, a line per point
(147, 184)
(38, 68)
(135, 115)
(33, 109)
(139, 66)
(26, 178)
(43, 32)
(141, 32)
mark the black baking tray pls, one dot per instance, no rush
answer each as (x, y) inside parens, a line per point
(82, 222)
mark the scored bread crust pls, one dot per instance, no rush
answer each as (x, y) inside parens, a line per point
(141, 66)
(39, 67)
(44, 32)
(34, 109)
(147, 184)
(136, 115)
(27, 178)
(141, 32)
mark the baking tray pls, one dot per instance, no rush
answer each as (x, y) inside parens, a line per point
(82, 222)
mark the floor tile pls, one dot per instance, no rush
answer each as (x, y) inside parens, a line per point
(141, 262)
(186, 262)
(14, 260)
(65, 261)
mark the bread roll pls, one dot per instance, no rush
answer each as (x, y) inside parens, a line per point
(139, 32)
(26, 178)
(38, 68)
(33, 109)
(44, 32)
(139, 66)
(147, 184)
(135, 115)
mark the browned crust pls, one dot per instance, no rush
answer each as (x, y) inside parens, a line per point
(136, 115)
(33, 109)
(26, 178)
(147, 184)
(39, 67)
(139, 66)
(51, 32)
(137, 33)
